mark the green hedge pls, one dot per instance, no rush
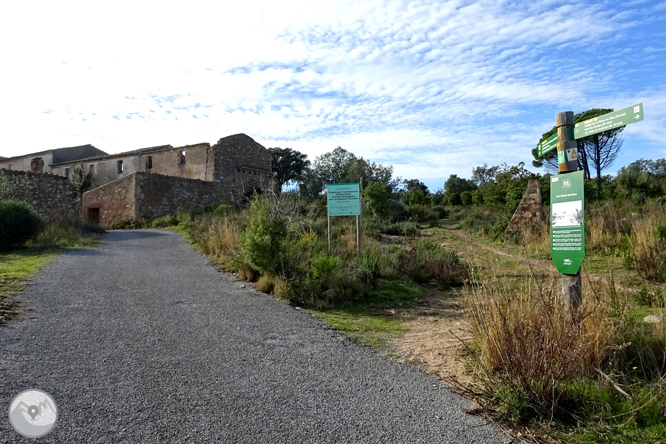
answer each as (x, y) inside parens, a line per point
(18, 223)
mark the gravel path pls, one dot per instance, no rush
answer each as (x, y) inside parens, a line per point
(139, 340)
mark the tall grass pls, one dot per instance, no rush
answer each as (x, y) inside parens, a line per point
(531, 345)
(607, 227)
(648, 243)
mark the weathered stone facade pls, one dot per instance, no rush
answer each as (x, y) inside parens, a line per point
(110, 203)
(42, 161)
(191, 161)
(529, 211)
(158, 195)
(242, 164)
(149, 195)
(51, 196)
(136, 184)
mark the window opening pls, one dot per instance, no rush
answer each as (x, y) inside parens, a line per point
(149, 163)
(67, 172)
(182, 157)
(37, 165)
(120, 166)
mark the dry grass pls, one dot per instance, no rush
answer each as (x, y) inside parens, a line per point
(265, 283)
(532, 342)
(536, 240)
(649, 243)
(605, 225)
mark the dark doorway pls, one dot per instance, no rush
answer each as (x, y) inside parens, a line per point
(93, 215)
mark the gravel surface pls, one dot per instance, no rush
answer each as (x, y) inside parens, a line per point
(140, 340)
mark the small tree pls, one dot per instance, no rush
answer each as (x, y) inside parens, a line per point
(80, 179)
(288, 165)
(261, 242)
(376, 196)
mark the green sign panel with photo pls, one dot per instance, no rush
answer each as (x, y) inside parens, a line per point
(343, 199)
(567, 222)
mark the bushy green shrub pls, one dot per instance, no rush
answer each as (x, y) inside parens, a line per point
(440, 210)
(422, 213)
(401, 229)
(261, 242)
(376, 196)
(466, 198)
(18, 223)
(428, 261)
(396, 211)
(324, 266)
(164, 221)
(129, 224)
(368, 268)
(223, 209)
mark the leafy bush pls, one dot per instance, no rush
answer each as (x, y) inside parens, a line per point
(164, 221)
(428, 261)
(396, 211)
(368, 268)
(130, 224)
(422, 213)
(466, 198)
(261, 242)
(401, 229)
(376, 196)
(324, 266)
(223, 209)
(18, 223)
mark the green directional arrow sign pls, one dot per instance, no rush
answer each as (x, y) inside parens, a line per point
(609, 121)
(547, 145)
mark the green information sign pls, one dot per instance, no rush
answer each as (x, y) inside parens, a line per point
(343, 199)
(609, 121)
(567, 227)
(547, 145)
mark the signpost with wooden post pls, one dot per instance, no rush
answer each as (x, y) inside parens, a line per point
(567, 209)
(567, 160)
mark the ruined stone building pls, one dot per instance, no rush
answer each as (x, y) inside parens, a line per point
(41, 162)
(156, 181)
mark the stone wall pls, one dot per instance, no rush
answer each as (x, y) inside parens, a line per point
(158, 195)
(144, 195)
(241, 164)
(110, 203)
(51, 196)
(529, 211)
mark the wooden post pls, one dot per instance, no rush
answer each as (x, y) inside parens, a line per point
(359, 229)
(572, 291)
(330, 234)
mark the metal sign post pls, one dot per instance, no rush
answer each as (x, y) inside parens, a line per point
(343, 199)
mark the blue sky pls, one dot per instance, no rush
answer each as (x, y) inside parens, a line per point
(432, 87)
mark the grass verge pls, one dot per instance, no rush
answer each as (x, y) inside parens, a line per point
(16, 269)
(18, 266)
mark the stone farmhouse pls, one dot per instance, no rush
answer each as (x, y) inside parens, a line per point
(156, 181)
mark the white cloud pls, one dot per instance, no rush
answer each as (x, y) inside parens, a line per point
(416, 83)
